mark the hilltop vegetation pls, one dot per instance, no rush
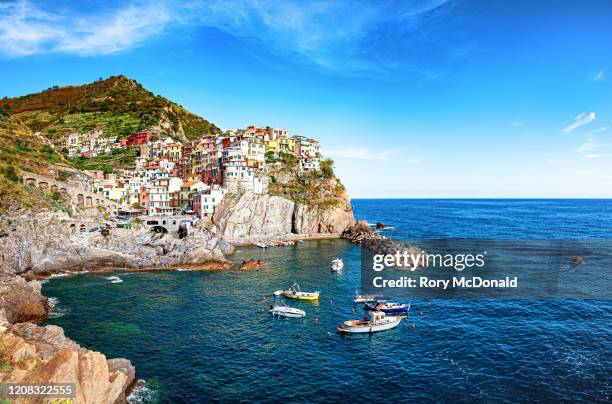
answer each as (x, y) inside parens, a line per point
(21, 150)
(319, 189)
(117, 105)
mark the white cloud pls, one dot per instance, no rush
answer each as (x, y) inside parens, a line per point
(600, 75)
(362, 153)
(26, 29)
(587, 149)
(598, 130)
(597, 156)
(580, 120)
(114, 33)
(317, 30)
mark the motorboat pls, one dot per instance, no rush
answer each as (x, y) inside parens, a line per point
(114, 279)
(294, 292)
(363, 298)
(378, 321)
(337, 264)
(388, 308)
(261, 245)
(286, 311)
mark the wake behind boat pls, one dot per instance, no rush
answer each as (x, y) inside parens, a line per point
(294, 292)
(379, 321)
(286, 311)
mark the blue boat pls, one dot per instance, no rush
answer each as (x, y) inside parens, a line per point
(388, 308)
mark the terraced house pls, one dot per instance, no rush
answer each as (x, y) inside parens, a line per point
(169, 177)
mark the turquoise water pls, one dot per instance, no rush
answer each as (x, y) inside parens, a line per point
(197, 336)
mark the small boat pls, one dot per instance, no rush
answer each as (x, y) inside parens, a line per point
(388, 308)
(379, 321)
(337, 264)
(363, 298)
(114, 279)
(577, 260)
(286, 311)
(261, 245)
(294, 292)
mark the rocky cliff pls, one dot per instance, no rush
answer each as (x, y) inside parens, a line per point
(251, 217)
(39, 245)
(33, 354)
(39, 355)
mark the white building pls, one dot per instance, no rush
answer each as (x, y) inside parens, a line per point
(207, 201)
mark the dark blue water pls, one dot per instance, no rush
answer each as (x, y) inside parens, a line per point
(207, 336)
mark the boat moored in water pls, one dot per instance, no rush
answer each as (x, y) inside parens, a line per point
(388, 308)
(364, 298)
(294, 292)
(378, 321)
(286, 311)
(337, 264)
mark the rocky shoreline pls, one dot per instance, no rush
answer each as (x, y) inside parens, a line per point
(36, 247)
(41, 354)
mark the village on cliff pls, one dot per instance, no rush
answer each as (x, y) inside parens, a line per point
(170, 177)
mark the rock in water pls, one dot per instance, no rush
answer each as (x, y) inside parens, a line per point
(577, 260)
(251, 264)
(380, 226)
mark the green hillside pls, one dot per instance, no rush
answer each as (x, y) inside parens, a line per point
(117, 105)
(20, 149)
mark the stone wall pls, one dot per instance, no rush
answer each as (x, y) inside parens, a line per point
(79, 195)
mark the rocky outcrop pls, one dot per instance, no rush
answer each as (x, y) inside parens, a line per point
(47, 243)
(251, 217)
(314, 220)
(248, 265)
(39, 355)
(361, 233)
(20, 300)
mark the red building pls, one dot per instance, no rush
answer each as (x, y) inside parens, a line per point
(138, 138)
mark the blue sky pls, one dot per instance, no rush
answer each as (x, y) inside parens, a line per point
(411, 98)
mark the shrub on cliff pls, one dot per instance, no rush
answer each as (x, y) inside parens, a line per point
(327, 168)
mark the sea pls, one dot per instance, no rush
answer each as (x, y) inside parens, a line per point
(207, 336)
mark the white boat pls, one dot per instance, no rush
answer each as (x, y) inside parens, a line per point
(114, 279)
(337, 264)
(379, 321)
(286, 311)
(364, 298)
(261, 245)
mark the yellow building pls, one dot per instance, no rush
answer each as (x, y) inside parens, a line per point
(272, 146)
(173, 151)
(286, 145)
